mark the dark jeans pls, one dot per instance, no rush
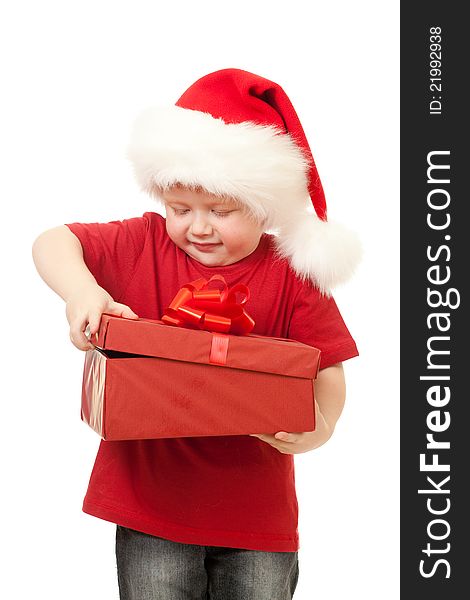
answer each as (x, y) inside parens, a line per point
(151, 568)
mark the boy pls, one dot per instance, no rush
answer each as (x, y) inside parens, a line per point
(212, 517)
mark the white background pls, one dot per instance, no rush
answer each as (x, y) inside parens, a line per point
(74, 76)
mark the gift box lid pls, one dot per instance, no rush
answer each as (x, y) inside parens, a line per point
(147, 337)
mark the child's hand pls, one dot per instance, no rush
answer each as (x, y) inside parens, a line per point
(85, 307)
(296, 443)
(290, 443)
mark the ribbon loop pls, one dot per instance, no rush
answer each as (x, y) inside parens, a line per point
(210, 305)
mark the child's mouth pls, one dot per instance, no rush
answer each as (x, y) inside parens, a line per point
(205, 247)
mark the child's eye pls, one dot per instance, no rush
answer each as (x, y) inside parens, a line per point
(183, 211)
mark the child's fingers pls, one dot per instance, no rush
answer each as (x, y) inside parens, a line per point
(281, 436)
(94, 320)
(77, 335)
(281, 441)
(265, 437)
(81, 330)
(284, 436)
(121, 310)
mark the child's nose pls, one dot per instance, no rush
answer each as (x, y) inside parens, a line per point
(201, 226)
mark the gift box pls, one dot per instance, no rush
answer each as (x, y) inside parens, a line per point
(146, 379)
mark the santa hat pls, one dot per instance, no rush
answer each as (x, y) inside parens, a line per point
(236, 134)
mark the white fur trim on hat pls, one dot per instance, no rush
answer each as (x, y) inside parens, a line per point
(325, 252)
(257, 164)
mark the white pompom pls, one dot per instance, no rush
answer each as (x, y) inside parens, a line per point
(325, 252)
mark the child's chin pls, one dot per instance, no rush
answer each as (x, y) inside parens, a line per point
(205, 259)
(207, 262)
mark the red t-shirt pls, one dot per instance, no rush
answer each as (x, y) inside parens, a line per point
(233, 491)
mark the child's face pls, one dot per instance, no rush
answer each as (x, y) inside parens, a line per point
(198, 217)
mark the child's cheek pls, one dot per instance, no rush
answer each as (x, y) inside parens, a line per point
(173, 230)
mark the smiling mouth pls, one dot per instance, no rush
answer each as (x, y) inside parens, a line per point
(205, 248)
(205, 245)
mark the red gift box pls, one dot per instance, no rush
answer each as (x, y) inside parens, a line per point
(149, 380)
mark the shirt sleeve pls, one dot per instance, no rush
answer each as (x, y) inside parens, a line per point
(316, 321)
(111, 250)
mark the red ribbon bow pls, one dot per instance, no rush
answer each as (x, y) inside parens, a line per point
(210, 305)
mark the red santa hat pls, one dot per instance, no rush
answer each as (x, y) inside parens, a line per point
(237, 134)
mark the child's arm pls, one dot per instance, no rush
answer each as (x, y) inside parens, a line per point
(58, 256)
(330, 393)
